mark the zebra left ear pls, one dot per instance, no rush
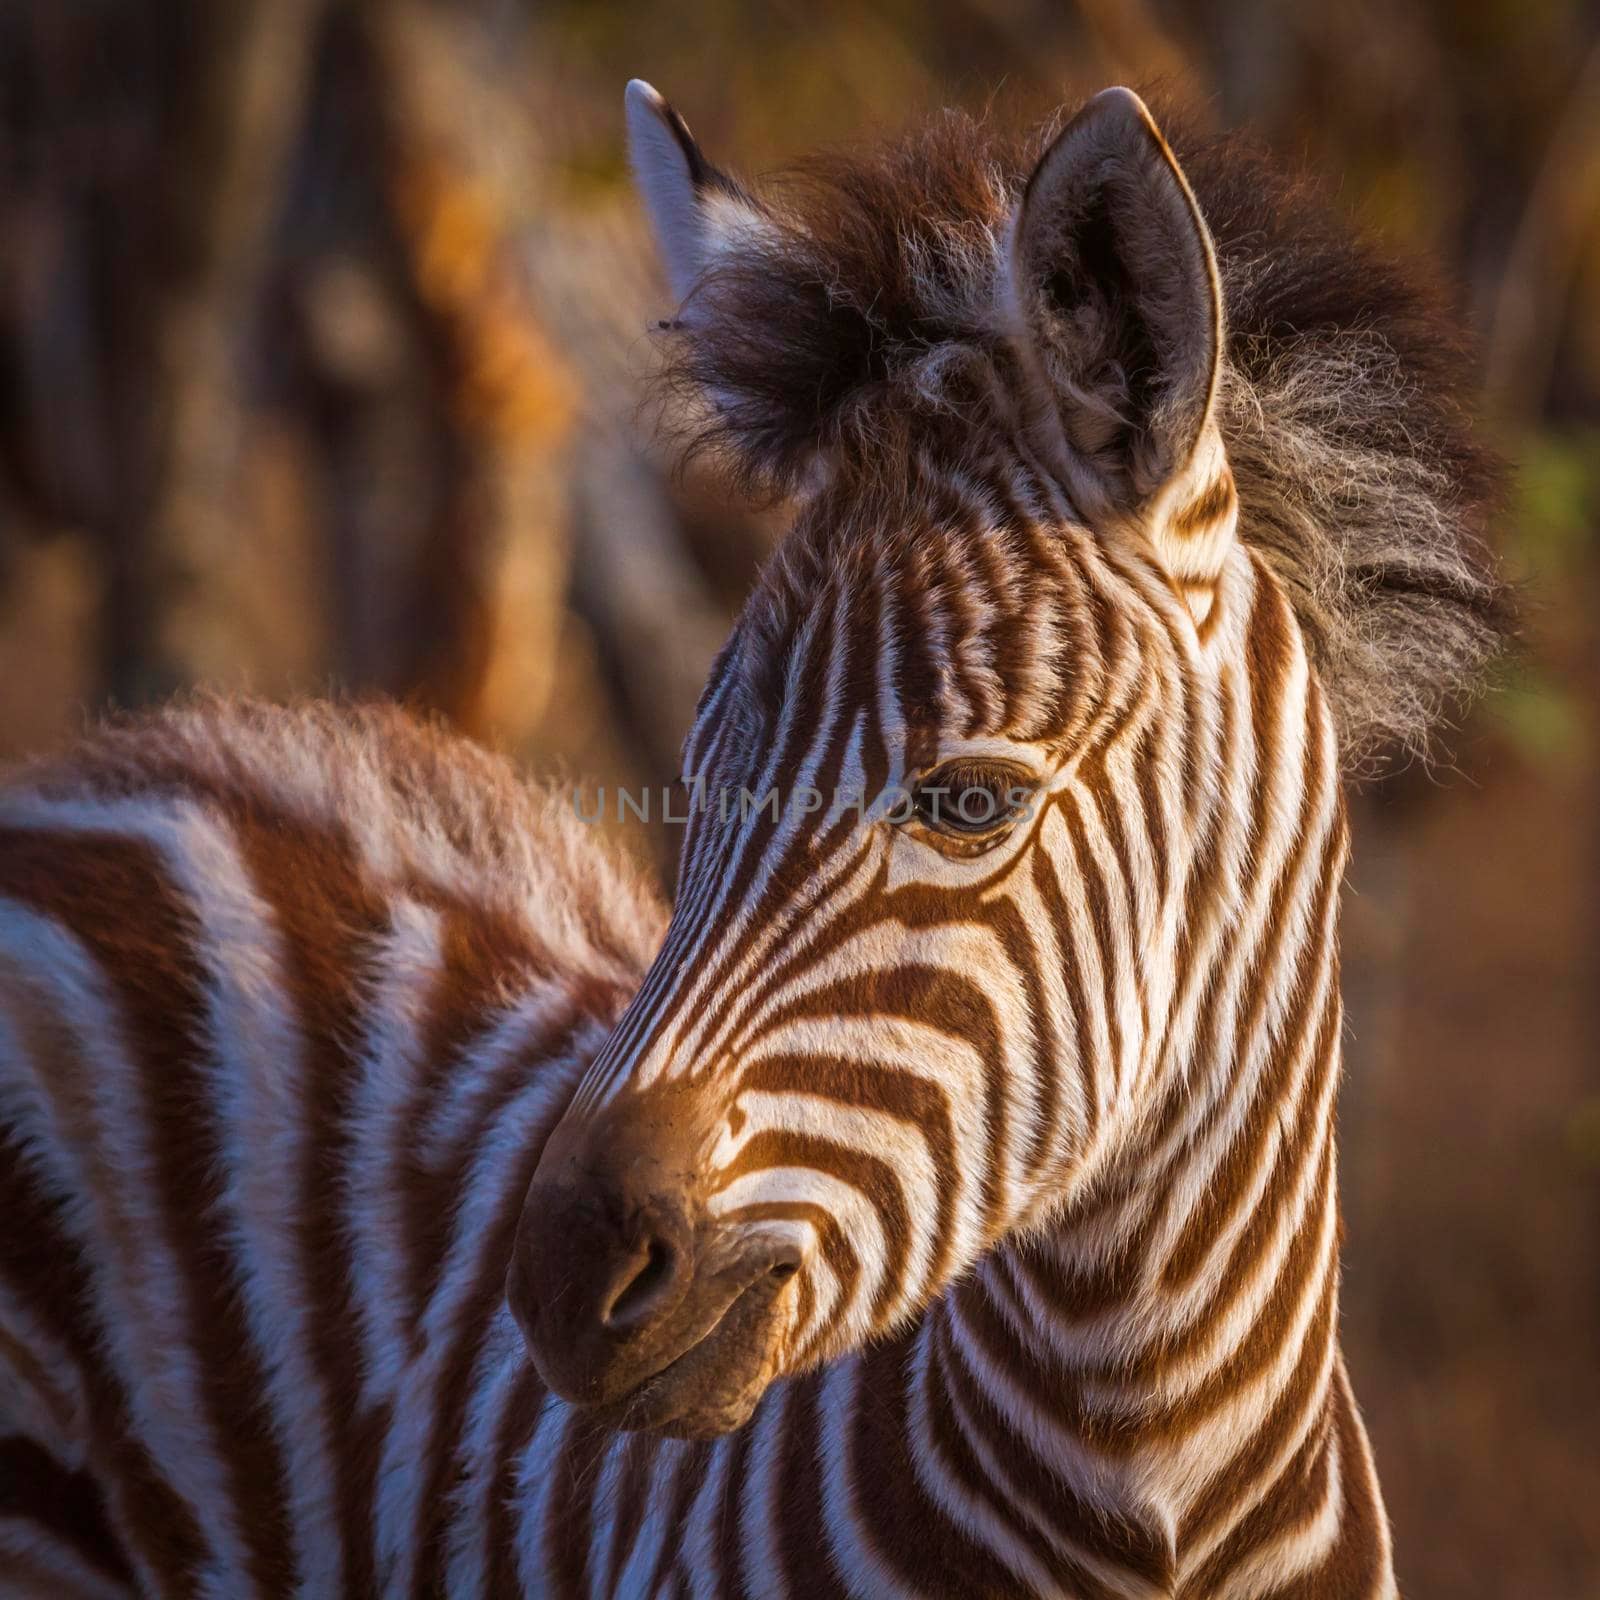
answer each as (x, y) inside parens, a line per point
(695, 210)
(1119, 307)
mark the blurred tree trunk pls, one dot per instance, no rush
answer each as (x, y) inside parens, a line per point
(146, 156)
(246, 112)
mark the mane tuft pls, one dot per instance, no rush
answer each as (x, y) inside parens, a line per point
(866, 318)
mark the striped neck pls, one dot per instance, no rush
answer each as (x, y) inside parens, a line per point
(1164, 1351)
(1180, 1326)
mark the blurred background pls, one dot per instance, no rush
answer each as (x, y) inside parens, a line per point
(320, 358)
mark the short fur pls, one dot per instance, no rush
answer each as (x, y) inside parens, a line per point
(872, 310)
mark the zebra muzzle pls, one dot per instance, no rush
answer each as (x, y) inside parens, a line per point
(633, 1300)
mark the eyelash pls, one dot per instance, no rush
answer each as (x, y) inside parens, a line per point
(941, 801)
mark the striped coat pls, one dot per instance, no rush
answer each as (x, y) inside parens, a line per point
(292, 1001)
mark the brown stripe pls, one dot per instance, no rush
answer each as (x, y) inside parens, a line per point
(1255, 1355)
(930, 1553)
(842, 1261)
(1142, 1551)
(871, 1177)
(728, 1552)
(800, 1534)
(1103, 931)
(328, 916)
(68, 1506)
(930, 997)
(518, 1419)
(568, 1522)
(479, 1306)
(1294, 1496)
(631, 1503)
(1043, 1073)
(1209, 507)
(44, 1270)
(1293, 1407)
(114, 896)
(905, 1096)
(1047, 885)
(1356, 1564)
(687, 1477)
(1151, 812)
(1204, 1224)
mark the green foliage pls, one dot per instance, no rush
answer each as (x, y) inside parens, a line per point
(1546, 722)
(1551, 535)
(1556, 509)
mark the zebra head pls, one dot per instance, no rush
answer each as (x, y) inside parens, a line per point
(946, 775)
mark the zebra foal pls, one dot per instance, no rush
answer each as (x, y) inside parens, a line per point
(942, 1202)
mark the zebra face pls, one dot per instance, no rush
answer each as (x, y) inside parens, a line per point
(932, 889)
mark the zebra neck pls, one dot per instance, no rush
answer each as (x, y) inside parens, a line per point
(1182, 1318)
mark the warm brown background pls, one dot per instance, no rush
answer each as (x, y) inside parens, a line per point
(319, 346)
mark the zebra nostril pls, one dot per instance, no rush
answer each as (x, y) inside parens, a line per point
(646, 1281)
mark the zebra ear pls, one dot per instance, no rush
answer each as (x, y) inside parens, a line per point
(695, 210)
(1117, 296)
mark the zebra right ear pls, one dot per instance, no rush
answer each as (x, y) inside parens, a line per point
(696, 211)
(1117, 298)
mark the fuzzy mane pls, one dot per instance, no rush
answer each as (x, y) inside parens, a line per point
(864, 310)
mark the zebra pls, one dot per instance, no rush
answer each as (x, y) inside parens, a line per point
(941, 1201)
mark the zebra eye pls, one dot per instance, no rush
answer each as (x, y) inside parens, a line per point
(972, 799)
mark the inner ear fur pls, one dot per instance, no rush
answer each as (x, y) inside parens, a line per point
(1116, 283)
